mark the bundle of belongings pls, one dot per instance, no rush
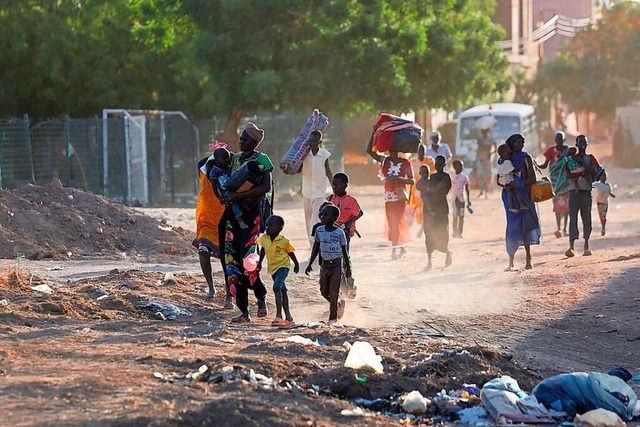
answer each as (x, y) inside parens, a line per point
(292, 161)
(393, 133)
(603, 399)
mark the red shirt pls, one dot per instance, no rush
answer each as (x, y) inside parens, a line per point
(348, 205)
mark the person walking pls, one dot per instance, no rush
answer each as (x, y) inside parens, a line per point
(523, 227)
(580, 186)
(316, 172)
(242, 242)
(209, 211)
(397, 174)
(438, 148)
(558, 175)
(603, 192)
(435, 189)
(482, 166)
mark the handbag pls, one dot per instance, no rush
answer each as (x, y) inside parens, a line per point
(541, 190)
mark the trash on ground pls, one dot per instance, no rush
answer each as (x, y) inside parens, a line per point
(227, 340)
(476, 415)
(298, 340)
(4, 302)
(506, 383)
(355, 412)
(363, 356)
(378, 404)
(169, 279)
(45, 289)
(164, 311)
(415, 403)
(55, 268)
(622, 373)
(598, 418)
(580, 392)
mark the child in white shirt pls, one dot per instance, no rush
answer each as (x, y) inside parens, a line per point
(506, 175)
(603, 191)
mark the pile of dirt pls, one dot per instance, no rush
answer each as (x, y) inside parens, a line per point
(49, 222)
(116, 296)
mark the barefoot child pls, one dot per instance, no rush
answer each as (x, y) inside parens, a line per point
(460, 186)
(331, 243)
(603, 191)
(350, 210)
(506, 173)
(279, 253)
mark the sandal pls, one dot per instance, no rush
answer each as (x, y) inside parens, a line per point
(243, 318)
(277, 322)
(287, 324)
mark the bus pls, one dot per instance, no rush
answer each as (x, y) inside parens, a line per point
(509, 118)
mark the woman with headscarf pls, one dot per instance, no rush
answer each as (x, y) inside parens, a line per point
(240, 243)
(523, 227)
(397, 174)
(559, 175)
(209, 211)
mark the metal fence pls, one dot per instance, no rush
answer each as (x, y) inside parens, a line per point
(74, 151)
(150, 157)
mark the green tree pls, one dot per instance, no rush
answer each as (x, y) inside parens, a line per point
(78, 57)
(598, 69)
(344, 55)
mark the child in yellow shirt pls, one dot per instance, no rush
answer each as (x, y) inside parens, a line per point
(279, 252)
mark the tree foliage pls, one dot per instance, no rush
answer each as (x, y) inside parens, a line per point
(78, 57)
(598, 69)
(226, 57)
(347, 55)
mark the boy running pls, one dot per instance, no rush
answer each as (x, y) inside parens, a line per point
(331, 243)
(460, 186)
(279, 253)
(350, 210)
(603, 191)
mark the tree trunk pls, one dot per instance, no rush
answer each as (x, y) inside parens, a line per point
(230, 134)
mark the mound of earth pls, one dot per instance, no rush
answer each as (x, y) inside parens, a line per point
(39, 222)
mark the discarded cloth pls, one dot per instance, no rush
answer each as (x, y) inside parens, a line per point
(163, 310)
(506, 383)
(579, 392)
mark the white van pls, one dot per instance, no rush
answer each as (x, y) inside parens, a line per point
(509, 118)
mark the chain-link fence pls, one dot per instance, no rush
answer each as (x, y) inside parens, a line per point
(139, 157)
(152, 156)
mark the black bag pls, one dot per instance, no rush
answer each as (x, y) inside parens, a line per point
(407, 140)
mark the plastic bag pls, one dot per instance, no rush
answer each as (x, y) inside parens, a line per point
(363, 356)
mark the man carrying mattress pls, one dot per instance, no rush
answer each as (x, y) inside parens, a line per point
(316, 173)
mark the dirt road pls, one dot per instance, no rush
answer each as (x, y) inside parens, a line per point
(70, 359)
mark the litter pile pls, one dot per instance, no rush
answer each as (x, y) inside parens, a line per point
(408, 393)
(54, 222)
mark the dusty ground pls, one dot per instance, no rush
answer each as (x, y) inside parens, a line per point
(71, 359)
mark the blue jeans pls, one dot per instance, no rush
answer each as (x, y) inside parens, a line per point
(279, 279)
